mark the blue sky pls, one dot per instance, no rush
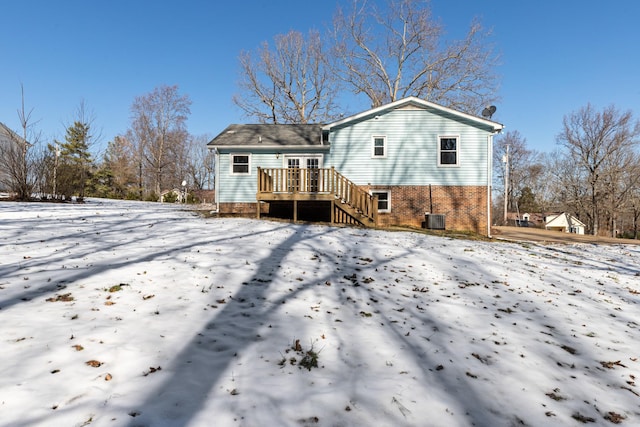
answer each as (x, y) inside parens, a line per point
(556, 57)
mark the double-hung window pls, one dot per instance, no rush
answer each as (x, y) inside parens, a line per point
(448, 150)
(384, 200)
(379, 146)
(240, 164)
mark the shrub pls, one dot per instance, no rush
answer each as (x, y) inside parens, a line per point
(151, 197)
(192, 198)
(170, 197)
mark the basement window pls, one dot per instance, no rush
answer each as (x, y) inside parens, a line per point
(384, 200)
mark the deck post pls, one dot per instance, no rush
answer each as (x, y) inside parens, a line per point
(333, 211)
(374, 209)
(332, 178)
(259, 190)
(295, 210)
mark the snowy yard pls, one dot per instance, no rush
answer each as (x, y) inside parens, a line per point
(135, 314)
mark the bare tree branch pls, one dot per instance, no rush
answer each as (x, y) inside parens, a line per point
(289, 83)
(18, 163)
(400, 51)
(159, 134)
(603, 145)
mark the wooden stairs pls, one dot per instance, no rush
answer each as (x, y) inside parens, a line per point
(350, 204)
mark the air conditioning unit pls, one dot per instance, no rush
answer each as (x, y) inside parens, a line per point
(434, 221)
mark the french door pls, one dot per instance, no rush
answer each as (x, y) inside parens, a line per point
(303, 173)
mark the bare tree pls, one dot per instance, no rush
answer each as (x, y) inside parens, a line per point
(620, 179)
(524, 168)
(289, 83)
(634, 210)
(17, 159)
(158, 132)
(543, 181)
(597, 141)
(397, 51)
(120, 160)
(200, 165)
(137, 138)
(566, 184)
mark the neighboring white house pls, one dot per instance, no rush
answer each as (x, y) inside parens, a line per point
(564, 222)
(8, 139)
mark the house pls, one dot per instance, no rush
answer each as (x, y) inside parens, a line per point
(564, 222)
(9, 155)
(526, 219)
(386, 166)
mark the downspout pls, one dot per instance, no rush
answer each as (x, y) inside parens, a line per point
(216, 179)
(489, 180)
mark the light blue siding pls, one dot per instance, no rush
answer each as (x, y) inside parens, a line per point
(412, 137)
(242, 188)
(412, 150)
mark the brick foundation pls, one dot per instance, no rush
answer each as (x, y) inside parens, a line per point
(244, 209)
(464, 207)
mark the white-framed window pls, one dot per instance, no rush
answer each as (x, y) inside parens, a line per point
(240, 164)
(378, 146)
(384, 200)
(448, 150)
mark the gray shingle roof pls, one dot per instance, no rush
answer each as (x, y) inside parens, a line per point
(269, 135)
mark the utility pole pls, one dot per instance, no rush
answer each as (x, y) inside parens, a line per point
(505, 160)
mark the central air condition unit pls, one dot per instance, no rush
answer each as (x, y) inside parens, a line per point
(434, 221)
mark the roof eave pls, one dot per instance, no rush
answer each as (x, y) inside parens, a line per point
(497, 127)
(268, 147)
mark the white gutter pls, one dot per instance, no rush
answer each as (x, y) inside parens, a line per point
(271, 147)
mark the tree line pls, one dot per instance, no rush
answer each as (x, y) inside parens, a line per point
(594, 174)
(155, 154)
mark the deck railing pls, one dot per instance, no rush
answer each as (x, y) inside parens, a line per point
(316, 181)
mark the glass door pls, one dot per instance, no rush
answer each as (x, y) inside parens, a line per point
(313, 174)
(303, 174)
(293, 174)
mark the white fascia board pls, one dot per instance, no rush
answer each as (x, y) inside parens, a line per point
(269, 147)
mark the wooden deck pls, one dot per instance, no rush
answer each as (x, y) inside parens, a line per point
(349, 203)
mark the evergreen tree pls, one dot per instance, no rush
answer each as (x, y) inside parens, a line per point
(527, 201)
(74, 167)
(102, 184)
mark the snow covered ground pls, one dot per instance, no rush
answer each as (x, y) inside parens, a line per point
(118, 313)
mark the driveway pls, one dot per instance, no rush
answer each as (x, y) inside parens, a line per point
(529, 234)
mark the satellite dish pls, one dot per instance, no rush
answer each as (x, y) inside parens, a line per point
(488, 111)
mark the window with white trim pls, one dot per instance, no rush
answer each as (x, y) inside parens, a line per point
(240, 164)
(384, 200)
(448, 150)
(379, 146)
